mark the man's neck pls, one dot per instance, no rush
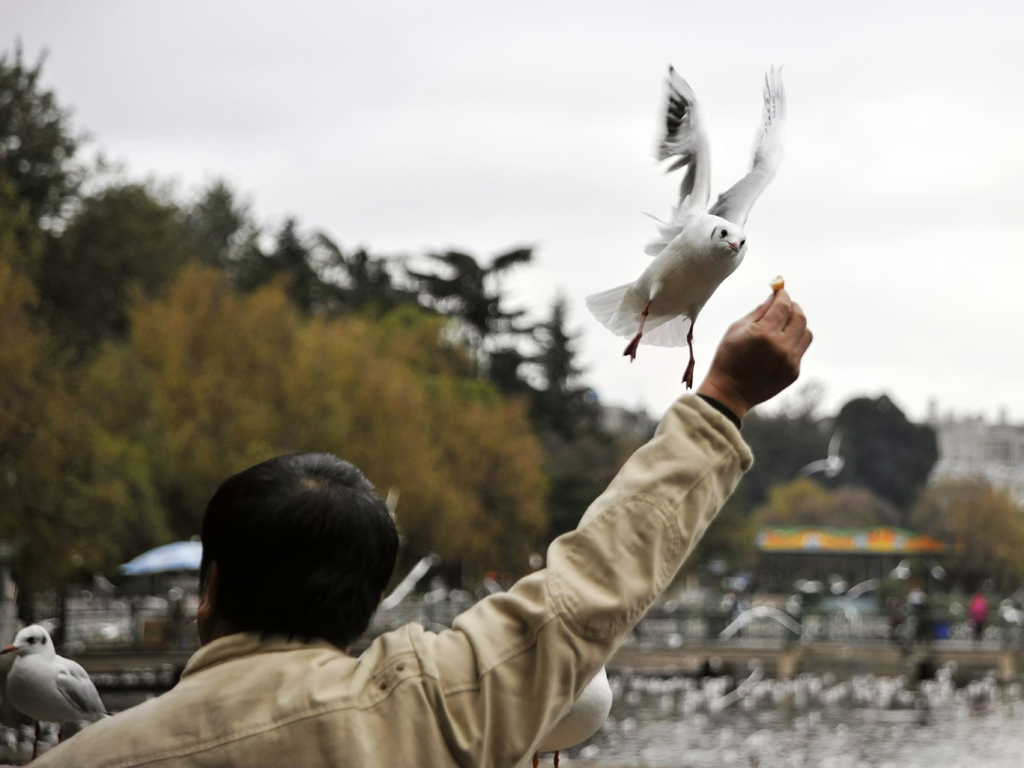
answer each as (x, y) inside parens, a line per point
(219, 628)
(215, 630)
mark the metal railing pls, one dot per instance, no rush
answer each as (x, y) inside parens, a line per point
(137, 624)
(153, 624)
(681, 628)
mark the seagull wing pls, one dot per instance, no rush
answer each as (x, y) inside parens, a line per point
(834, 443)
(835, 465)
(859, 589)
(735, 203)
(785, 620)
(755, 677)
(670, 333)
(74, 685)
(737, 624)
(686, 145)
(741, 689)
(815, 466)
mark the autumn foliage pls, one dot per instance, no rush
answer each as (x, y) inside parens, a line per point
(150, 348)
(211, 381)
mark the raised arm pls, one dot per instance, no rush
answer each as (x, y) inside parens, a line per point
(516, 661)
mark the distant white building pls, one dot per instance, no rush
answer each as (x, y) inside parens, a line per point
(970, 447)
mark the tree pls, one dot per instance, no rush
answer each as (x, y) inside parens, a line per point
(389, 396)
(580, 458)
(318, 276)
(578, 471)
(859, 507)
(37, 143)
(29, 395)
(806, 502)
(731, 538)
(123, 239)
(22, 378)
(469, 293)
(561, 404)
(884, 451)
(983, 526)
(799, 502)
(70, 492)
(293, 256)
(505, 370)
(292, 260)
(221, 231)
(784, 441)
(368, 283)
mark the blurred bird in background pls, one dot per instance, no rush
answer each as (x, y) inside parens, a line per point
(830, 466)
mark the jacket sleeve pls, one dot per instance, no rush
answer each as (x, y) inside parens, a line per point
(515, 662)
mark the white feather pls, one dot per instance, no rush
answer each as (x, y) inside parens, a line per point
(587, 714)
(671, 333)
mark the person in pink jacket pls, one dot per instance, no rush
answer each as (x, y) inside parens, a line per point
(977, 613)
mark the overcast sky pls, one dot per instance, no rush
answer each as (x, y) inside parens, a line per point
(897, 216)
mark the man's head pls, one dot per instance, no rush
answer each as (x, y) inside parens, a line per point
(302, 546)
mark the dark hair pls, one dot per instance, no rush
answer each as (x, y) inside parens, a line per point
(304, 546)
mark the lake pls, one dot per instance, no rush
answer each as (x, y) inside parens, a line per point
(809, 723)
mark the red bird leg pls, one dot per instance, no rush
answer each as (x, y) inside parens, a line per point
(556, 759)
(631, 347)
(39, 734)
(536, 758)
(688, 376)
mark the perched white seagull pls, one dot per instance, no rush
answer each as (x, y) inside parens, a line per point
(831, 466)
(47, 687)
(698, 248)
(587, 714)
(583, 719)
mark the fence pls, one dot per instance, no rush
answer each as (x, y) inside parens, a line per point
(674, 630)
(154, 624)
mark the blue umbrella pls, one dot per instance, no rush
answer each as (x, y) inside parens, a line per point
(179, 556)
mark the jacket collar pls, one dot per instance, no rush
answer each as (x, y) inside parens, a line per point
(246, 644)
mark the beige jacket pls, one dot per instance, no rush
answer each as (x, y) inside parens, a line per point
(483, 694)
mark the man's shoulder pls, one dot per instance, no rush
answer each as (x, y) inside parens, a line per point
(227, 699)
(116, 739)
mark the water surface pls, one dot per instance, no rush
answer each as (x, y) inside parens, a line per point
(886, 724)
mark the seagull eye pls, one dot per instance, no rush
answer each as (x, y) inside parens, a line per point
(32, 641)
(725, 232)
(742, 243)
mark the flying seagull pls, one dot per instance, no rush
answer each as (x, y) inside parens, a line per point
(698, 247)
(831, 466)
(759, 612)
(47, 687)
(740, 690)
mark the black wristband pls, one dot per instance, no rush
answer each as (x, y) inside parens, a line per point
(722, 409)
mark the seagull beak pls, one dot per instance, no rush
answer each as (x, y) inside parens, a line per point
(735, 247)
(9, 649)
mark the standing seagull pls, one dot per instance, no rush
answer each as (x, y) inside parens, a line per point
(583, 719)
(47, 687)
(698, 248)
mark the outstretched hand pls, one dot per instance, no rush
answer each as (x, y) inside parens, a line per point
(759, 356)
